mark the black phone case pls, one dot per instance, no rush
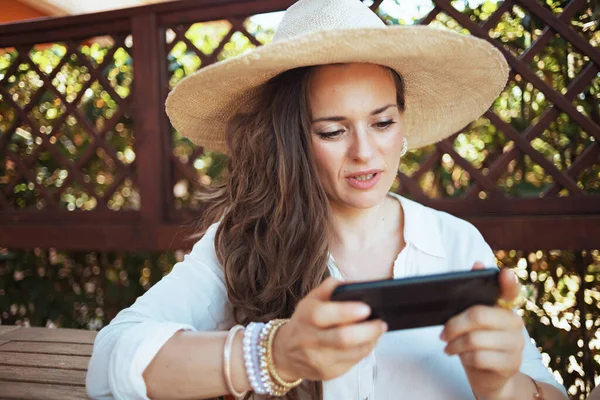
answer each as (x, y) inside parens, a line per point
(424, 300)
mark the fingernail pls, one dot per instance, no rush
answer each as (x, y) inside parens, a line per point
(363, 311)
(443, 335)
(384, 327)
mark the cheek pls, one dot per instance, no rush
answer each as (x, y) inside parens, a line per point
(393, 145)
(326, 159)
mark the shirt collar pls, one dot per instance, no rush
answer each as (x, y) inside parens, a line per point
(421, 227)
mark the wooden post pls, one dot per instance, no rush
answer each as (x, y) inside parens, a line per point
(149, 65)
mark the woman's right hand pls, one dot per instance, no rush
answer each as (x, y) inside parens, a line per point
(324, 338)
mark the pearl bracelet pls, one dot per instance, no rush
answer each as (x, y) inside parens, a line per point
(251, 357)
(275, 385)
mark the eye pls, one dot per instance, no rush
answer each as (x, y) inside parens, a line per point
(384, 124)
(330, 135)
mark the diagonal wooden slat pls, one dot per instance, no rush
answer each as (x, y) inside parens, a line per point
(57, 124)
(589, 156)
(376, 4)
(28, 174)
(193, 48)
(119, 178)
(97, 73)
(563, 29)
(535, 155)
(538, 44)
(428, 164)
(497, 15)
(430, 17)
(74, 110)
(409, 186)
(212, 57)
(185, 170)
(574, 88)
(25, 167)
(250, 36)
(477, 176)
(12, 69)
(523, 69)
(67, 164)
(179, 30)
(74, 173)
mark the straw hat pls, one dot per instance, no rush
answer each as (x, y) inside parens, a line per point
(451, 79)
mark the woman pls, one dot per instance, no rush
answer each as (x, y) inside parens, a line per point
(315, 124)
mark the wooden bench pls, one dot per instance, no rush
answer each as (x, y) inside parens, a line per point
(40, 363)
(48, 364)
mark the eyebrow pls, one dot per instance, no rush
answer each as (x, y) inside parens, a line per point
(338, 119)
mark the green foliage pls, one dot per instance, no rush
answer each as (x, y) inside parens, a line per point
(520, 105)
(71, 134)
(75, 289)
(562, 312)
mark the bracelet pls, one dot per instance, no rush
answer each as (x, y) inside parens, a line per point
(251, 358)
(539, 393)
(271, 364)
(226, 360)
(272, 387)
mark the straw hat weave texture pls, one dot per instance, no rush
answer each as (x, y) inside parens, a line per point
(451, 79)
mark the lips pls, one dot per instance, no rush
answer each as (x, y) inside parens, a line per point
(364, 180)
(364, 173)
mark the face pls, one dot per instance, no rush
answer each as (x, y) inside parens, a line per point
(356, 132)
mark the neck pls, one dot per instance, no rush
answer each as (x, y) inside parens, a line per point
(360, 228)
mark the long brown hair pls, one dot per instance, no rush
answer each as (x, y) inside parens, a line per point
(274, 231)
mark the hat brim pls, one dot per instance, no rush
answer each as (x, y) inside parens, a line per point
(450, 79)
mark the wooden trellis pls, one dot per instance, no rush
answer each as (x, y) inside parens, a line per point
(566, 215)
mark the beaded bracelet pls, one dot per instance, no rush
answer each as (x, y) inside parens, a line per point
(251, 357)
(271, 364)
(263, 349)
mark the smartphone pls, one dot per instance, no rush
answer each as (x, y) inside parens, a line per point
(422, 301)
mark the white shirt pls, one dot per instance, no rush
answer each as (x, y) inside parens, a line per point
(406, 364)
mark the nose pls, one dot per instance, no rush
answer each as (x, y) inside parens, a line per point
(362, 145)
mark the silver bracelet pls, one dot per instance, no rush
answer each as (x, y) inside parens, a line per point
(227, 360)
(251, 358)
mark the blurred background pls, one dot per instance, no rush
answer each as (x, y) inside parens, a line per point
(98, 193)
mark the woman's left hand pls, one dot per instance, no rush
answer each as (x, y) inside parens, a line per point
(489, 342)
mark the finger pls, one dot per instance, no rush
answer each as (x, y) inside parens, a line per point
(503, 341)
(356, 354)
(477, 265)
(509, 285)
(333, 313)
(351, 336)
(324, 290)
(489, 360)
(479, 318)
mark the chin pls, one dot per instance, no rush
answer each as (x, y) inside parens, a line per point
(363, 200)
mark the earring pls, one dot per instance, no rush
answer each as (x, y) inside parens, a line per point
(404, 147)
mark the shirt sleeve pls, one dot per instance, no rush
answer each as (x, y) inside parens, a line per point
(191, 297)
(531, 364)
